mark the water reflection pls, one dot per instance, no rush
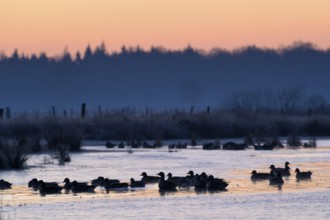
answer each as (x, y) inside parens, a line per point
(200, 191)
(164, 192)
(278, 186)
(303, 181)
(117, 190)
(214, 191)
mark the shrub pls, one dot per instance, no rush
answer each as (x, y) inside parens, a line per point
(13, 155)
(62, 137)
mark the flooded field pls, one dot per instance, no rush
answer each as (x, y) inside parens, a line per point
(244, 199)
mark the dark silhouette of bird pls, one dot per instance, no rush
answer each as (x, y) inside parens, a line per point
(275, 179)
(116, 186)
(45, 188)
(303, 175)
(135, 183)
(149, 179)
(216, 183)
(108, 182)
(191, 174)
(68, 184)
(165, 184)
(36, 184)
(32, 182)
(98, 181)
(181, 181)
(5, 184)
(259, 176)
(81, 188)
(199, 183)
(284, 171)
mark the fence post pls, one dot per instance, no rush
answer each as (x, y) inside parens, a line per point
(208, 109)
(191, 110)
(53, 111)
(83, 110)
(8, 113)
(100, 110)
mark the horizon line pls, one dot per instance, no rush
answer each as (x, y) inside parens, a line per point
(135, 48)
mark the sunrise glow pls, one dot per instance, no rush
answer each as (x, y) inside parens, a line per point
(37, 25)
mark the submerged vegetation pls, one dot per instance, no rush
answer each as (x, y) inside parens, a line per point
(260, 116)
(60, 135)
(130, 125)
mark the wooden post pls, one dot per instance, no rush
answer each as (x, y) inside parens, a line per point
(53, 111)
(309, 113)
(100, 110)
(191, 110)
(8, 113)
(208, 109)
(83, 110)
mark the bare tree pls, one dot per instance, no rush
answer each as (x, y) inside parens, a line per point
(252, 101)
(290, 100)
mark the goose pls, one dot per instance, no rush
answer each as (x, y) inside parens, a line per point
(68, 184)
(190, 174)
(79, 188)
(45, 188)
(165, 184)
(108, 181)
(116, 186)
(149, 179)
(36, 185)
(135, 183)
(108, 144)
(284, 171)
(175, 179)
(181, 181)
(121, 145)
(32, 182)
(259, 176)
(275, 179)
(192, 177)
(199, 183)
(233, 146)
(216, 184)
(211, 146)
(98, 182)
(303, 175)
(204, 176)
(5, 184)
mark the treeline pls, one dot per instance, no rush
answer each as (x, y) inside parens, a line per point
(158, 77)
(100, 54)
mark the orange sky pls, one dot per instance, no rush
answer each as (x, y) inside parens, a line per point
(33, 26)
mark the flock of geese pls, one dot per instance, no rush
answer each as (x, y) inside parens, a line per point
(200, 182)
(276, 173)
(171, 183)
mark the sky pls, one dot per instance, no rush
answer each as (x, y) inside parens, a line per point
(34, 26)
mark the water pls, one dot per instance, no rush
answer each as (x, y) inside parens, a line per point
(243, 199)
